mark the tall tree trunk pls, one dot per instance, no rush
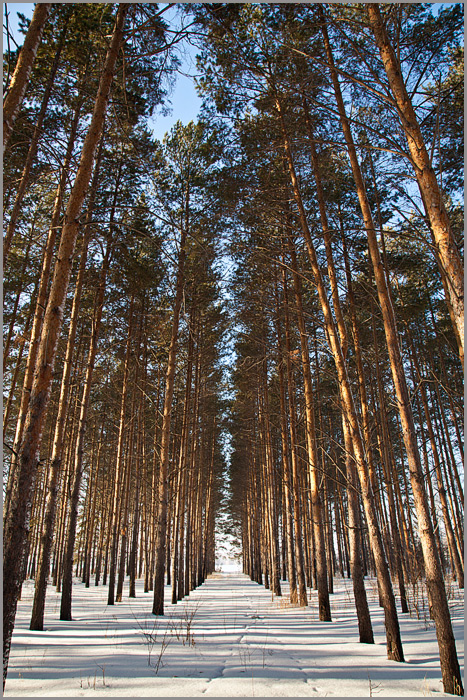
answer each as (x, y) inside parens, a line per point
(17, 526)
(361, 602)
(385, 440)
(24, 64)
(139, 458)
(269, 482)
(139, 503)
(123, 524)
(34, 144)
(288, 512)
(162, 491)
(324, 606)
(120, 467)
(180, 480)
(154, 479)
(448, 256)
(91, 518)
(297, 516)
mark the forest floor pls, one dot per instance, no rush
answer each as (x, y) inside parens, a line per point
(229, 638)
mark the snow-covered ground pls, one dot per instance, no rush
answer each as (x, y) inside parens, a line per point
(227, 639)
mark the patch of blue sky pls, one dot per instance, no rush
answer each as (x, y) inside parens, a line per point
(184, 102)
(10, 15)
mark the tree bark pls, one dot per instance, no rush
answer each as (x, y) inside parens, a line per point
(448, 256)
(33, 146)
(24, 64)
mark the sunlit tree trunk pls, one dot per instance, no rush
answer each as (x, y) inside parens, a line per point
(288, 513)
(120, 461)
(128, 461)
(93, 510)
(316, 506)
(361, 602)
(448, 256)
(24, 64)
(37, 617)
(269, 485)
(297, 515)
(40, 307)
(181, 472)
(33, 146)
(385, 439)
(140, 460)
(189, 542)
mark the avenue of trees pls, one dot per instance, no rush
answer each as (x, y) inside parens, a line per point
(269, 298)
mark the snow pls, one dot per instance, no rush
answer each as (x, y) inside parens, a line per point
(229, 638)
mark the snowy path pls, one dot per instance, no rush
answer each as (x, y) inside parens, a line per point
(227, 639)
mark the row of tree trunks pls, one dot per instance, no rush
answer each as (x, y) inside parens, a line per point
(435, 581)
(394, 645)
(132, 446)
(40, 306)
(17, 523)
